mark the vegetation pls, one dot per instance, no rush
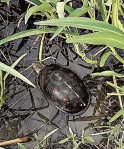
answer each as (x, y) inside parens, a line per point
(10, 70)
(72, 137)
(108, 32)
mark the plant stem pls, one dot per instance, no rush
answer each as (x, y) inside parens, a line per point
(81, 54)
(109, 12)
(115, 94)
(84, 56)
(41, 47)
(2, 89)
(48, 16)
(116, 55)
(115, 12)
(119, 96)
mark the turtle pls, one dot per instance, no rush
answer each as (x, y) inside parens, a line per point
(62, 87)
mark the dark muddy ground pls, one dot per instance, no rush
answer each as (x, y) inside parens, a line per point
(25, 109)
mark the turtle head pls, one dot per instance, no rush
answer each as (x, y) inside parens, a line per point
(37, 66)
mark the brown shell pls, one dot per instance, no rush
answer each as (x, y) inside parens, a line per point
(63, 88)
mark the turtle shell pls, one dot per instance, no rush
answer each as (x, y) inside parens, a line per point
(63, 88)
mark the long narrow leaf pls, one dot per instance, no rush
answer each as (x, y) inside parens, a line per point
(70, 130)
(107, 73)
(118, 114)
(31, 32)
(79, 11)
(89, 138)
(115, 86)
(14, 64)
(102, 9)
(5, 0)
(85, 3)
(82, 22)
(43, 7)
(104, 58)
(57, 32)
(14, 73)
(21, 146)
(100, 38)
(34, 2)
(50, 133)
(64, 140)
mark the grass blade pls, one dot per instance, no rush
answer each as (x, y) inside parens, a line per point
(107, 73)
(30, 33)
(43, 7)
(117, 115)
(115, 86)
(14, 73)
(64, 140)
(89, 138)
(21, 146)
(104, 58)
(82, 22)
(14, 64)
(34, 2)
(100, 38)
(50, 133)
